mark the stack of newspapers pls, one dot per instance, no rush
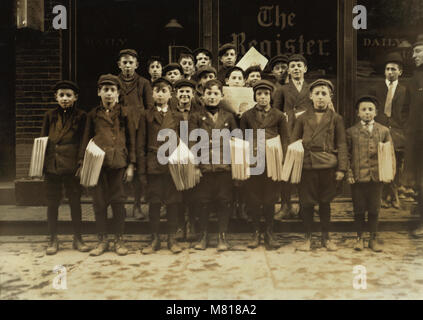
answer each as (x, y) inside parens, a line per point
(240, 155)
(387, 163)
(274, 158)
(293, 162)
(93, 161)
(37, 157)
(182, 168)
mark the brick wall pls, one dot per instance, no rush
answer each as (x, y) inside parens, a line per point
(38, 68)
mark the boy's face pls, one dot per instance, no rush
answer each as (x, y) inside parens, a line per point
(109, 94)
(279, 70)
(228, 59)
(236, 79)
(418, 55)
(161, 94)
(128, 64)
(213, 96)
(367, 111)
(263, 97)
(206, 77)
(184, 94)
(253, 77)
(66, 98)
(202, 60)
(187, 65)
(321, 97)
(173, 75)
(392, 72)
(297, 69)
(155, 70)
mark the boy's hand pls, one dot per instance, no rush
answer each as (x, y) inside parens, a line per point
(351, 180)
(78, 171)
(339, 175)
(129, 173)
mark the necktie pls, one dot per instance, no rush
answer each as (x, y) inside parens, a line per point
(389, 97)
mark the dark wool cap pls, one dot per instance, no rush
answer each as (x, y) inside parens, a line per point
(130, 52)
(279, 58)
(394, 57)
(263, 84)
(185, 83)
(322, 82)
(66, 84)
(172, 66)
(202, 50)
(109, 79)
(367, 98)
(205, 69)
(225, 48)
(232, 69)
(297, 57)
(162, 80)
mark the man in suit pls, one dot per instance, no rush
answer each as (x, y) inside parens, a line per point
(393, 113)
(414, 133)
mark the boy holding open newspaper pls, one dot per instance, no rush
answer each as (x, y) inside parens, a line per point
(261, 190)
(372, 162)
(109, 128)
(64, 126)
(161, 188)
(325, 159)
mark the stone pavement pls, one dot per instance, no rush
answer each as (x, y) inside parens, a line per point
(397, 273)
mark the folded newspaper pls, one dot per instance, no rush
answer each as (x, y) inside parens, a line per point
(386, 161)
(274, 158)
(240, 155)
(184, 172)
(91, 167)
(252, 58)
(238, 99)
(37, 157)
(293, 162)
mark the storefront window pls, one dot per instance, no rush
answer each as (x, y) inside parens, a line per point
(277, 27)
(104, 27)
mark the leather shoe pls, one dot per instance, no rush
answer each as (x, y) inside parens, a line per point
(79, 244)
(255, 241)
(154, 246)
(102, 246)
(53, 245)
(202, 244)
(359, 244)
(222, 244)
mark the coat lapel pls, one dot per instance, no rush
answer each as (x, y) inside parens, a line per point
(326, 118)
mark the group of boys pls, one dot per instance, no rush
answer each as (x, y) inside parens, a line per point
(132, 112)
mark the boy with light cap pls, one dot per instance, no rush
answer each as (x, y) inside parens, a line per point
(112, 131)
(322, 133)
(136, 95)
(261, 191)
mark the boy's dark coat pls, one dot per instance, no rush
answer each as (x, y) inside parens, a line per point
(64, 140)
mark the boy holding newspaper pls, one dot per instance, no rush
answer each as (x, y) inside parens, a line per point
(109, 127)
(261, 190)
(368, 168)
(325, 159)
(64, 126)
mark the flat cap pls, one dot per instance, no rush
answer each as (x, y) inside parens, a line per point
(66, 84)
(162, 80)
(367, 98)
(184, 83)
(264, 84)
(202, 50)
(322, 82)
(418, 43)
(172, 66)
(232, 69)
(394, 57)
(130, 52)
(205, 69)
(297, 57)
(109, 79)
(226, 47)
(279, 58)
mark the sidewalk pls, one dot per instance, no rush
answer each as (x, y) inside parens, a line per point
(397, 273)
